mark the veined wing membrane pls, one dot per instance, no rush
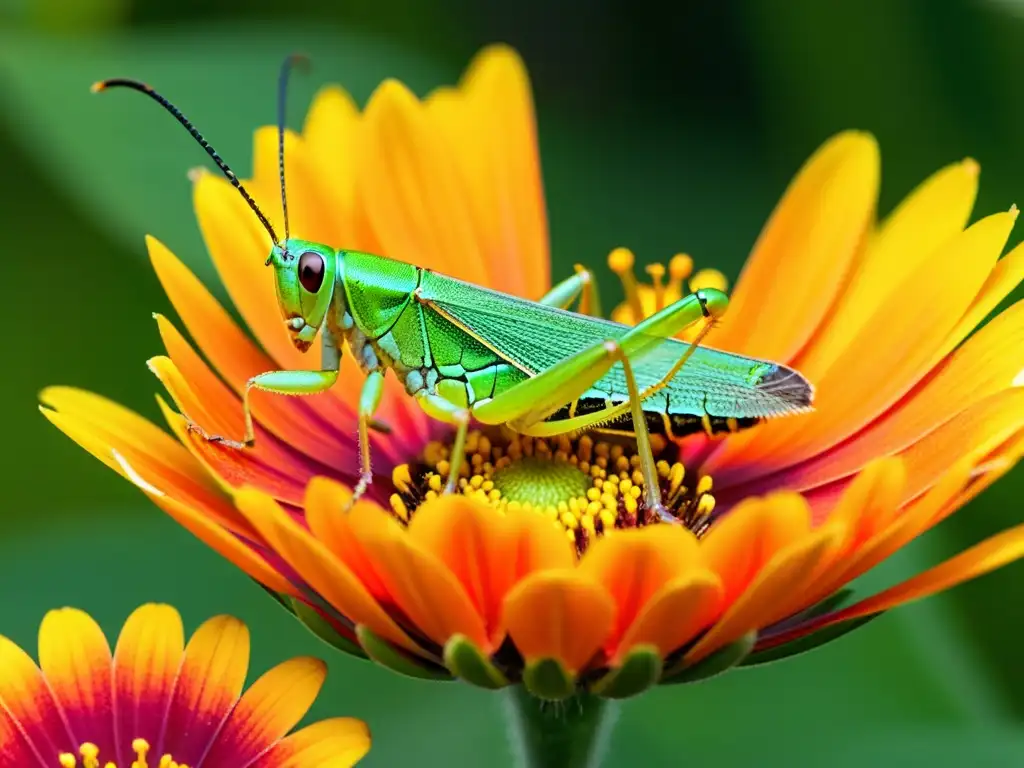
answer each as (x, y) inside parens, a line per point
(534, 337)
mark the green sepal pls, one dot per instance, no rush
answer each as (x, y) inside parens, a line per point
(319, 626)
(640, 670)
(548, 679)
(385, 654)
(723, 659)
(284, 602)
(807, 642)
(467, 662)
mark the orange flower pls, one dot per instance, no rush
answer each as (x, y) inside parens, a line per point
(541, 569)
(157, 699)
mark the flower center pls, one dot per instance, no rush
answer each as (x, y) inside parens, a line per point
(89, 757)
(587, 487)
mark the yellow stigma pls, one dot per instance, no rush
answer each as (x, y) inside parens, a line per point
(643, 299)
(587, 488)
(90, 757)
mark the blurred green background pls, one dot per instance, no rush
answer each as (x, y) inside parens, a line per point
(662, 127)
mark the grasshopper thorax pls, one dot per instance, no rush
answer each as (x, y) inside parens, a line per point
(304, 274)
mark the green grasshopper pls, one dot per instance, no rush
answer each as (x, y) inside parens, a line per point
(469, 353)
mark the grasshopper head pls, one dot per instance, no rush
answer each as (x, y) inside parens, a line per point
(304, 273)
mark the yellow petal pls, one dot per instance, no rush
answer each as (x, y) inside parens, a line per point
(76, 661)
(265, 714)
(932, 214)
(826, 210)
(489, 122)
(336, 743)
(209, 683)
(331, 132)
(146, 661)
(26, 698)
(560, 615)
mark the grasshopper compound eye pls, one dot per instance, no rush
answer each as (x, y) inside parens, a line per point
(311, 271)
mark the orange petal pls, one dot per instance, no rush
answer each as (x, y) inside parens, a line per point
(675, 614)
(739, 545)
(26, 698)
(75, 659)
(973, 433)
(990, 554)
(224, 344)
(560, 615)
(633, 565)
(336, 743)
(421, 584)
(146, 661)
(271, 707)
(763, 601)
(269, 464)
(327, 575)
(1004, 277)
(106, 430)
(984, 365)
(826, 210)
(850, 394)
(490, 124)
(487, 552)
(929, 216)
(226, 544)
(209, 683)
(299, 427)
(411, 190)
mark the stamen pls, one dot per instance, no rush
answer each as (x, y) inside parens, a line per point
(680, 267)
(586, 487)
(90, 753)
(620, 261)
(657, 273)
(709, 278)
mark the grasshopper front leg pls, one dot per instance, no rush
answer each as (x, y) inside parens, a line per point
(282, 383)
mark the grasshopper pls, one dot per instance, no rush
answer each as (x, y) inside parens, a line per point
(467, 353)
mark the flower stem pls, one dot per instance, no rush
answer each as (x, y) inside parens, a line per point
(569, 734)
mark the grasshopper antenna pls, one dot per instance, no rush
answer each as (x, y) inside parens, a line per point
(295, 59)
(136, 85)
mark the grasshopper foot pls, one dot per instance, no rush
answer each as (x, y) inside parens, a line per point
(220, 440)
(365, 479)
(663, 514)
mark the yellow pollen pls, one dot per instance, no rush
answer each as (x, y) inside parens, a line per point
(585, 487)
(90, 753)
(709, 278)
(643, 300)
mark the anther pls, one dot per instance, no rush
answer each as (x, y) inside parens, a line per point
(709, 278)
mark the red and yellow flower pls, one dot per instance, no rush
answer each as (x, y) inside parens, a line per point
(158, 701)
(542, 569)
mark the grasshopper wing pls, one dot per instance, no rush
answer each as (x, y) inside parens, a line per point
(533, 337)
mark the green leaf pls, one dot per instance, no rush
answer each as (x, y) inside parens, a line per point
(123, 161)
